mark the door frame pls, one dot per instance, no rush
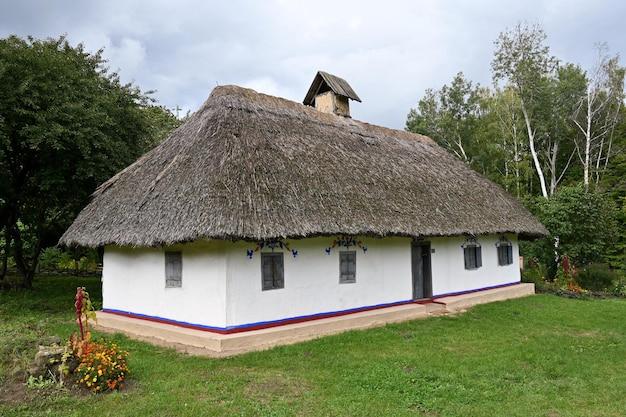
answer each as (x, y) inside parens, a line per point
(426, 265)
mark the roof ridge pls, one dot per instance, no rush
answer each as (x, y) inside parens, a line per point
(320, 116)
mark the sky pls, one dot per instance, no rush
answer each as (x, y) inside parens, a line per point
(389, 51)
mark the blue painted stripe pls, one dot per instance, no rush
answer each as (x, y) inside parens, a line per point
(259, 323)
(295, 318)
(451, 294)
(321, 315)
(163, 319)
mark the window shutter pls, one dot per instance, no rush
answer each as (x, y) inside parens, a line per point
(352, 265)
(266, 271)
(466, 256)
(343, 265)
(173, 269)
(347, 266)
(279, 271)
(505, 254)
(272, 271)
(479, 258)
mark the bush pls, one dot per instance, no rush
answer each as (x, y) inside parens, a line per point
(619, 290)
(535, 274)
(103, 367)
(596, 277)
(98, 366)
(585, 223)
(68, 260)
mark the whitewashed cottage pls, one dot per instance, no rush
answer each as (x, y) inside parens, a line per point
(259, 212)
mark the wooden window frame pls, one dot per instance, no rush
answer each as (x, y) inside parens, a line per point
(346, 277)
(173, 272)
(472, 256)
(277, 280)
(505, 253)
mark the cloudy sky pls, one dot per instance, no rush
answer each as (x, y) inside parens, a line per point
(389, 51)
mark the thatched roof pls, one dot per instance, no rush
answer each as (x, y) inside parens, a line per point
(252, 166)
(324, 81)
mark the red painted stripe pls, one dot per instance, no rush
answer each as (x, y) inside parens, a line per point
(162, 320)
(283, 322)
(259, 326)
(452, 294)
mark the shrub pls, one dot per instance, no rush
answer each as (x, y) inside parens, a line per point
(619, 290)
(103, 367)
(535, 274)
(69, 260)
(97, 366)
(584, 222)
(596, 277)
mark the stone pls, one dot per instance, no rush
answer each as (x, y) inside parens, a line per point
(50, 340)
(47, 361)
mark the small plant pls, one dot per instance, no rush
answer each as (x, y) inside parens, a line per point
(596, 277)
(619, 290)
(103, 367)
(40, 382)
(536, 274)
(84, 312)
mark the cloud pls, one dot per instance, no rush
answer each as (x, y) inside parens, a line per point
(129, 54)
(390, 52)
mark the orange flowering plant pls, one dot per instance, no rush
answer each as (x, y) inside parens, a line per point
(96, 365)
(103, 367)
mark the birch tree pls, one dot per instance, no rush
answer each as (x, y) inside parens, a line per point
(505, 107)
(597, 113)
(448, 116)
(523, 61)
(560, 149)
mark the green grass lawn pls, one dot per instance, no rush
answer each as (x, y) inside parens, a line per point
(537, 356)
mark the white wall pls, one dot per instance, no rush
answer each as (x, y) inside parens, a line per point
(221, 287)
(383, 275)
(133, 280)
(448, 268)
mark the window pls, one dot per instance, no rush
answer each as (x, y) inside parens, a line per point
(272, 270)
(473, 256)
(505, 252)
(173, 269)
(347, 267)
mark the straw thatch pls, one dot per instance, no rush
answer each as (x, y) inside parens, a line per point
(252, 166)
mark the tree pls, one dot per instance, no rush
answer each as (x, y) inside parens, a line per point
(524, 61)
(585, 222)
(534, 124)
(563, 89)
(508, 127)
(597, 113)
(448, 116)
(160, 122)
(66, 125)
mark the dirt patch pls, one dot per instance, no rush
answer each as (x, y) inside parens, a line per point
(423, 411)
(13, 392)
(590, 333)
(267, 388)
(16, 392)
(409, 369)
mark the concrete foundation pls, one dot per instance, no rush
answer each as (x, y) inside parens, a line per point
(219, 345)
